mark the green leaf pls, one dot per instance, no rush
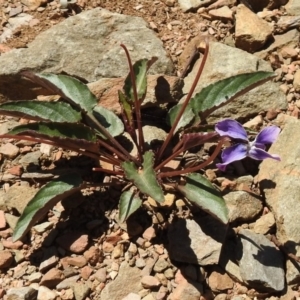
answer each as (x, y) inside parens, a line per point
(41, 110)
(60, 130)
(140, 69)
(186, 118)
(126, 108)
(144, 178)
(67, 87)
(220, 93)
(109, 120)
(44, 200)
(202, 193)
(129, 203)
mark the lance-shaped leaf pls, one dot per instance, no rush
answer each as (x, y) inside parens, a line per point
(44, 200)
(67, 87)
(129, 203)
(60, 130)
(144, 178)
(186, 118)
(109, 120)
(126, 108)
(201, 192)
(41, 110)
(140, 69)
(220, 93)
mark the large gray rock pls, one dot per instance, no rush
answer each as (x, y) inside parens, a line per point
(224, 61)
(128, 281)
(261, 263)
(87, 46)
(196, 242)
(281, 185)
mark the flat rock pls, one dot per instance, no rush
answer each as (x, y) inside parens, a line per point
(46, 294)
(242, 206)
(261, 263)
(287, 22)
(81, 291)
(187, 291)
(293, 7)
(52, 278)
(97, 49)
(75, 242)
(9, 150)
(21, 293)
(224, 61)
(219, 281)
(196, 242)
(264, 223)
(6, 259)
(121, 286)
(188, 5)
(253, 34)
(223, 13)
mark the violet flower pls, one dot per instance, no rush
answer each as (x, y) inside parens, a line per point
(242, 147)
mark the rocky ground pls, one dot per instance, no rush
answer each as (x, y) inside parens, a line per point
(80, 250)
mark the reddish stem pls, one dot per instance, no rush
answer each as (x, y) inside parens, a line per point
(108, 171)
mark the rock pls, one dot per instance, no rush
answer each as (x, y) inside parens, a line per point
(40, 228)
(287, 22)
(296, 82)
(224, 13)
(140, 263)
(2, 220)
(149, 234)
(196, 242)
(242, 206)
(221, 3)
(100, 275)
(52, 278)
(223, 62)
(35, 277)
(33, 4)
(67, 283)
(98, 49)
(93, 255)
(49, 259)
(187, 291)
(289, 38)
(160, 265)
(160, 89)
(121, 286)
(118, 251)
(188, 5)
(253, 34)
(18, 196)
(264, 223)
(81, 291)
(86, 272)
(289, 52)
(31, 158)
(23, 293)
(46, 294)
(9, 244)
(132, 296)
(75, 242)
(149, 265)
(261, 263)
(259, 5)
(150, 282)
(219, 281)
(293, 8)
(9, 150)
(78, 261)
(6, 259)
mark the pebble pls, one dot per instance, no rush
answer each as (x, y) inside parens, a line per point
(48, 263)
(52, 278)
(35, 277)
(6, 259)
(21, 293)
(81, 291)
(132, 249)
(41, 228)
(140, 263)
(2, 220)
(132, 296)
(149, 234)
(100, 275)
(67, 283)
(9, 244)
(118, 251)
(46, 294)
(9, 150)
(78, 261)
(86, 272)
(160, 265)
(93, 255)
(149, 282)
(75, 242)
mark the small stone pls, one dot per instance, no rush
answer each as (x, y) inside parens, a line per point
(35, 277)
(6, 259)
(67, 283)
(9, 244)
(160, 265)
(86, 272)
(81, 291)
(264, 223)
(219, 281)
(41, 228)
(132, 296)
(140, 263)
(48, 263)
(23, 293)
(75, 242)
(113, 274)
(33, 4)
(296, 82)
(16, 170)
(149, 233)
(118, 251)
(162, 279)
(100, 275)
(67, 294)
(93, 255)
(52, 278)
(132, 249)
(78, 261)
(223, 13)
(2, 220)
(9, 150)
(187, 291)
(149, 282)
(169, 273)
(289, 52)
(107, 247)
(46, 294)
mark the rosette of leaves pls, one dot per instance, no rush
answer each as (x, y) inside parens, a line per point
(76, 122)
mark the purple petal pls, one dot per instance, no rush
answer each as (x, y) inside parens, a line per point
(231, 154)
(267, 136)
(232, 129)
(260, 154)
